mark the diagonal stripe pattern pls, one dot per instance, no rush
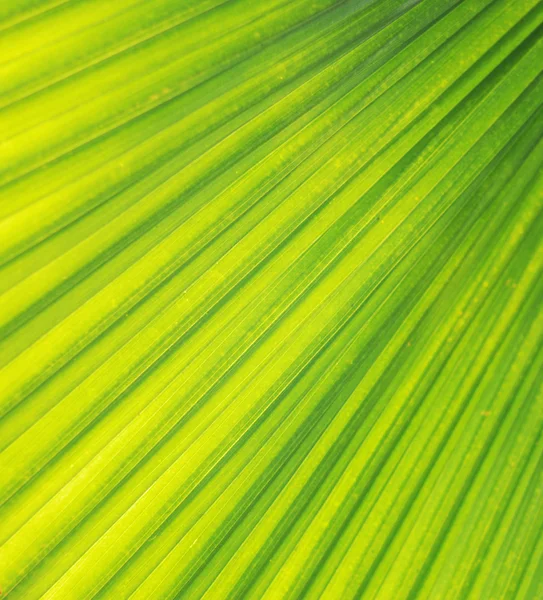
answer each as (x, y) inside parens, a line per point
(270, 299)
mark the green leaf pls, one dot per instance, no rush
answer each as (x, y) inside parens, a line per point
(270, 299)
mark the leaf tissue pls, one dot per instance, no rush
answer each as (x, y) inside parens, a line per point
(271, 299)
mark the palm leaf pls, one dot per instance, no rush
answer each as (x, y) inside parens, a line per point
(270, 299)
